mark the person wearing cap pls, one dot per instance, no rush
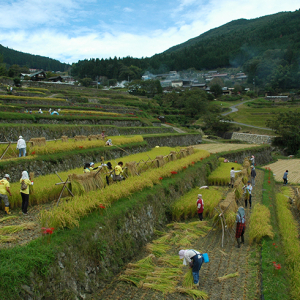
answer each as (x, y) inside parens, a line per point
(4, 191)
(253, 175)
(194, 259)
(89, 167)
(21, 145)
(232, 176)
(240, 225)
(248, 190)
(200, 206)
(25, 183)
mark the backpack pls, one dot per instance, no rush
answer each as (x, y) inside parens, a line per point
(23, 185)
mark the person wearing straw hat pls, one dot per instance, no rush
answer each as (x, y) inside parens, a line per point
(200, 206)
(4, 190)
(21, 146)
(194, 259)
(25, 183)
(240, 226)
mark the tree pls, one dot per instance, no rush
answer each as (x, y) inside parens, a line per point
(86, 81)
(216, 89)
(286, 125)
(215, 123)
(195, 102)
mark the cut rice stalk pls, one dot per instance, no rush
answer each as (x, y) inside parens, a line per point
(188, 280)
(196, 294)
(16, 228)
(172, 261)
(8, 218)
(7, 239)
(228, 276)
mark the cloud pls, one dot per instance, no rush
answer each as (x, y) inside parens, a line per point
(31, 29)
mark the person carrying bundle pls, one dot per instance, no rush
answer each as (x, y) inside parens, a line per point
(4, 190)
(240, 226)
(194, 259)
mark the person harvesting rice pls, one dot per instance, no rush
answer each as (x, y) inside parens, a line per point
(200, 206)
(240, 225)
(4, 190)
(195, 260)
(232, 176)
(25, 183)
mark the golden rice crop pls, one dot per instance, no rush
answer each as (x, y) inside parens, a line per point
(7, 239)
(46, 190)
(289, 235)
(90, 112)
(188, 279)
(221, 176)
(8, 218)
(260, 224)
(26, 98)
(186, 206)
(158, 249)
(82, 205)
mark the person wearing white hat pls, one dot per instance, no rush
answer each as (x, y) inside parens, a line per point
(194, 259)
(21, 146)
(4, 190)
(25, 183)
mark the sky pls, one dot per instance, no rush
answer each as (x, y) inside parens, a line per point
(72, 30)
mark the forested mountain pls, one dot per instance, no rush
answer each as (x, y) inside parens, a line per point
(12, 57)
(267, 48)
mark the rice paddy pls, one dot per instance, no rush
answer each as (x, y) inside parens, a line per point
(221, 176)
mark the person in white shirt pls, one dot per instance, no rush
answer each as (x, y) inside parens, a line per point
(195, 260)
(21, 146)
(248, 190)
(232, 176)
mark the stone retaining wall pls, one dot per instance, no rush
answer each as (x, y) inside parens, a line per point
(55, 132)
(252, 138)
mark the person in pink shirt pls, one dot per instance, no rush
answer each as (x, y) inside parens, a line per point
(200, 206)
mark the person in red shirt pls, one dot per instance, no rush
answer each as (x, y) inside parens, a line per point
(200, 206)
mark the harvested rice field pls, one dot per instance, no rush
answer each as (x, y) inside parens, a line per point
(215, 148)
(242, 265)
(279, 167)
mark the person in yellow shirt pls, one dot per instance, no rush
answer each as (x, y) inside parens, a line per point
(25, 183)
(118, 172)
(89, 167)
(4, 191)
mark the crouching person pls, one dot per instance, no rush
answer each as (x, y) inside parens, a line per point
(195, 261)
(4, 191)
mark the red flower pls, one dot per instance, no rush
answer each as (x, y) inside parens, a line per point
(201, 158)
(80, 147)
(274, 244)
(235, 161)
(160, 178)
(269, 181)
(184, 167)
(33, 152)
(173, 172)
(47, 230)
(193, 162)
(102, 206)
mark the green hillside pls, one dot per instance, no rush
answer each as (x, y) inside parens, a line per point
(13, 57)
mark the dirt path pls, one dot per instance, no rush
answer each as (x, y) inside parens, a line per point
(175, 128)
(223, 261)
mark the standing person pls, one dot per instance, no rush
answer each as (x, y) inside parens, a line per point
(25, 183)
(240, 225)
(21, 145)
(252, 159)
(118, 172)
(232, 176)
(285, 177)
(248, 190)
(50, 110)
(195, 260)
(253, 175)
(4, 190)
(200, 206)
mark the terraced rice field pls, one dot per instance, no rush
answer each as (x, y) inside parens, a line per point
(215, 148)
(279, 167)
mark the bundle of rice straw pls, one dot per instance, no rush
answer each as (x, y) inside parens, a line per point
(38, 141)
(232, 275)
(229, 202)
(64, 138)
(80, 138)
(190, 150)
(172, 156)
(86, 182)
(246, 163)
(183, 153)
(160, 161)
(92, 137)
(131, 168)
